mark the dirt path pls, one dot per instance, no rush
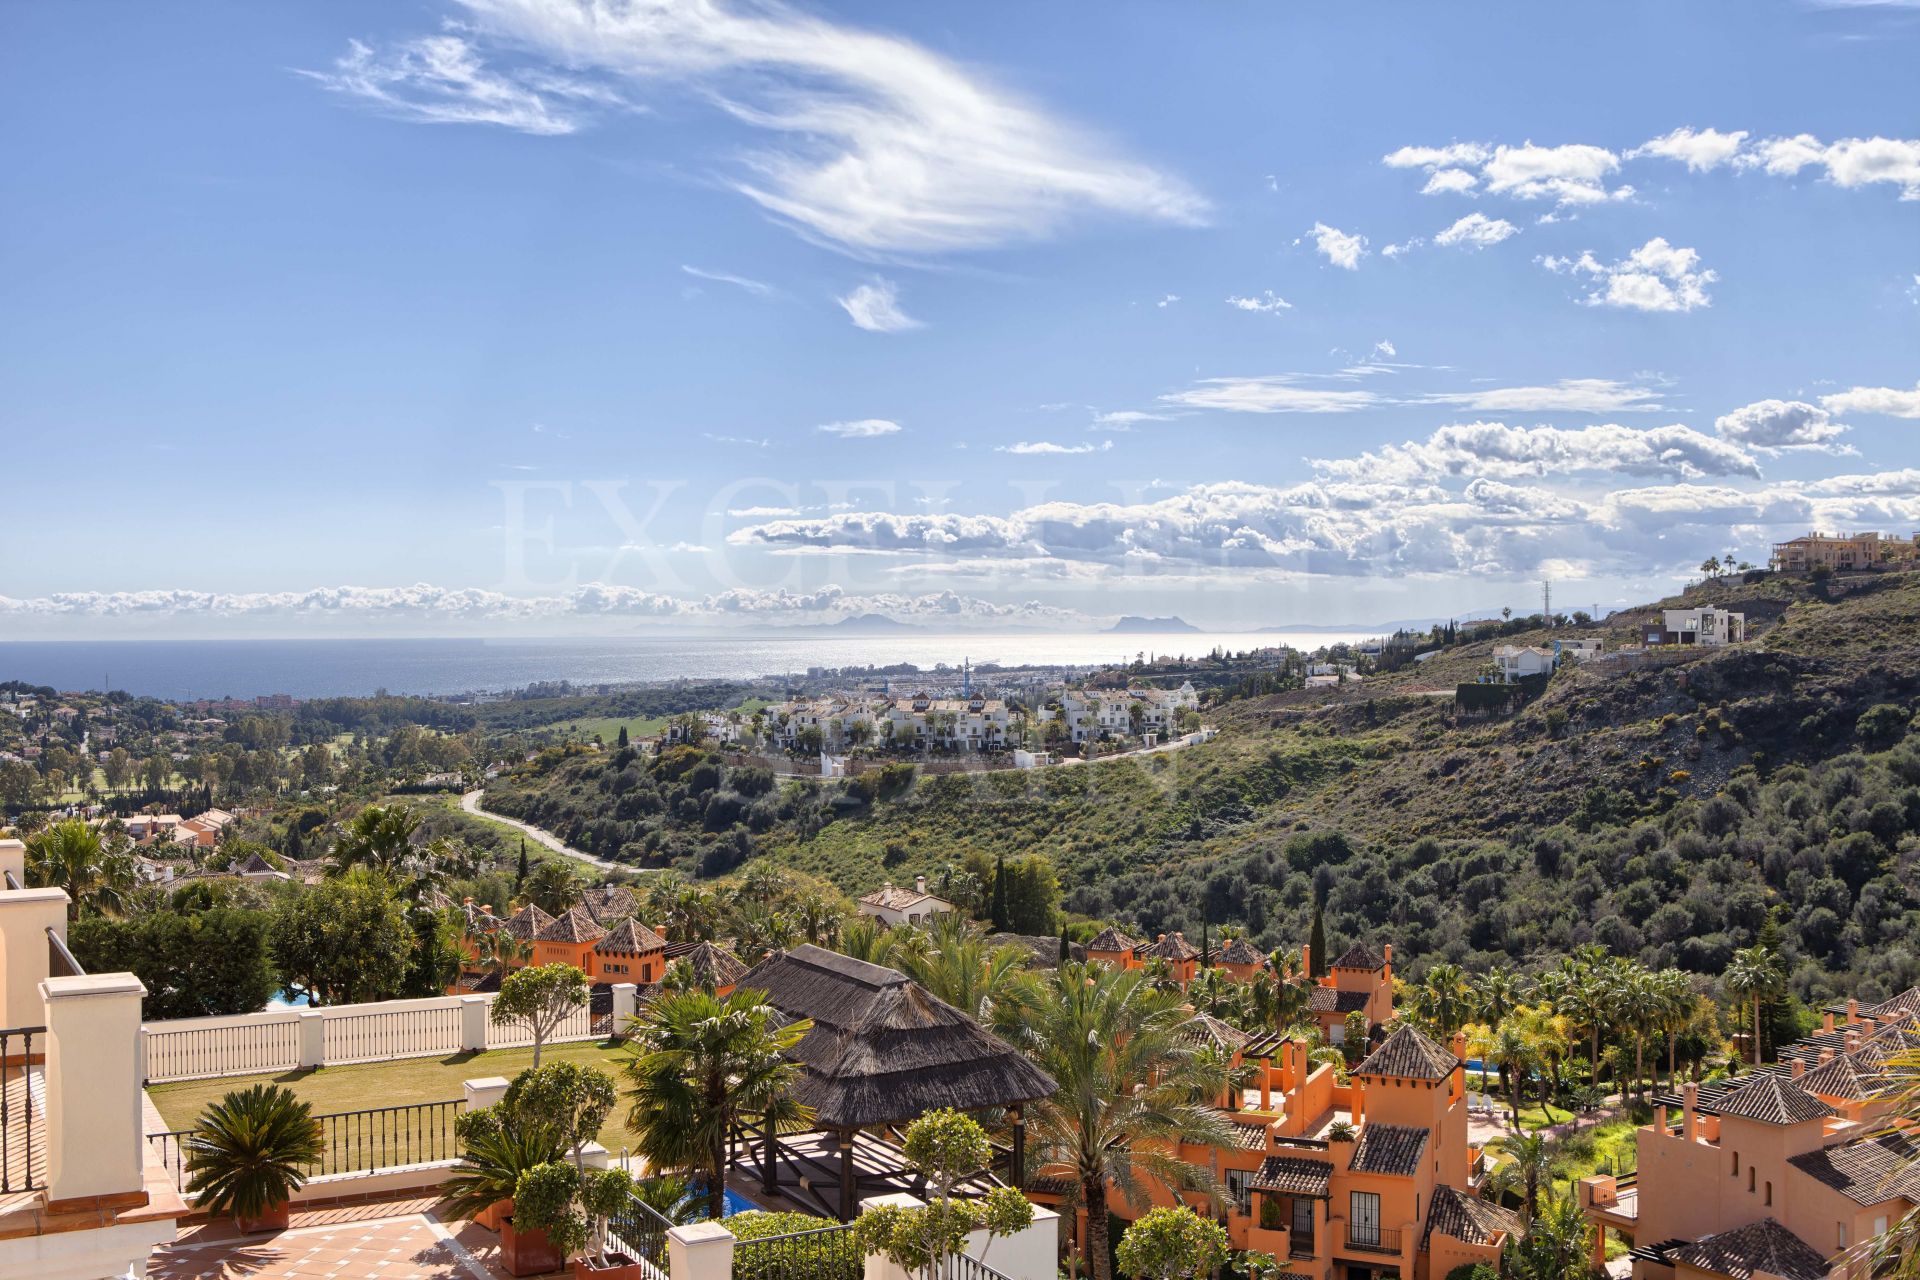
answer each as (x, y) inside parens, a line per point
(546, 839)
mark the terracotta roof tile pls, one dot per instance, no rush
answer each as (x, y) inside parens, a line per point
(1408, 1055)
(1333, 1000)
(1468, 1219)
(1237, 951)
(1868, 1170)
(1173, 946)
(1204, 1028)
(1772, 1099)
(1294, 1176)
(1111, 939)
(526, 922)
(1361, 956)
(575, 926)
(1389, 1148)
(1759, 1246)
(630, 938)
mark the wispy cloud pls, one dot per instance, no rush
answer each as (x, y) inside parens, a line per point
(875, 307)
(1048, 446)
(1124, 419)
(1476, 231)
(874, 143)
(755, 287)
(860, 428)
(1268, 302)
(444, 80)
(1276, 393)
(1569, 395)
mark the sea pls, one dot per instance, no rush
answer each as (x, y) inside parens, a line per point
(183, 670)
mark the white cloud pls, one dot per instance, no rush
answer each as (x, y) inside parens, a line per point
(1699, 149)
(1048, 446)
(1405, 246)
(744, 442)
(721, 277)
(1124, 419)
(1168, 300)
(860, 428)
(1573, 174)
(1569, 395)
(1893, 402)
(1780, 424)
(875, 307)
(1279, 393)
(1477, 230)
(1384, 348)
(1268, 302)
(761, 513)
(1850, 162)
(444, 80)
(1339, 248)
(1499, 451)
(873, 142)
(1449, 182)
(1655, 277)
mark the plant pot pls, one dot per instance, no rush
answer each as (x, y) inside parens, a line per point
(274, 1219)
(527, 1253)
(495, 1214)
(619, 1267)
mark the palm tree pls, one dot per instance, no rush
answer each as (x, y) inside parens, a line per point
(1639, 1004)
(70, 855)
(1754, 976)
(961, 967)
(1498, 992)
(1674, 1000)
(1589, 1000)
(380, 836)
(1509, 1049)
(1443, 1001)
(698, 1065)
(1554, 1247)
(1127, 1084)
(1896, 1254)
(554, 886)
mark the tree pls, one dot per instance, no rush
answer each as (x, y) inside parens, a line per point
(957, 964)
(698, 1066)
(198, 964)
(245, 1155)
(540, 999)
(98, 876)
(1128, 1080)
(1554, 1247)
(345, 940)
(1531, 1158)
(576, 1100)
(1172, 1243)
(1317, 940)
(555, 886)
(379, 836)
(1000, 916)
(945, 1147)
(1509, 1049)
(1755, 977)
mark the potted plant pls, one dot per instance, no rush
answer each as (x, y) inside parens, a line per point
(500, 1145)
(603, 1194)
(245, 1154)
(545, 1227)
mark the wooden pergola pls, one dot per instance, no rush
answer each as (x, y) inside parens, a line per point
(882, 1052)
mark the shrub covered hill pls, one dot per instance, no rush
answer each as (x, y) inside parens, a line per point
(1666, 811)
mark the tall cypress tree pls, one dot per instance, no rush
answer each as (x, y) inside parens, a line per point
(623, 737)
(520, 874)
(1000, 893)
(1317, 942)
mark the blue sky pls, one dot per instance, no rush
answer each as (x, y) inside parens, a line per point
(524, 315)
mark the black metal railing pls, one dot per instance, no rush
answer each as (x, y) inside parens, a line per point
(826, 1253)
(22, 1141)
(960, 1267)
(60, 961)
(640, 1232)
(353, 1141)
(12, 881)
(1373, 1239)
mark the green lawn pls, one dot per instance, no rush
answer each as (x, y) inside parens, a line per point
(389, 1084)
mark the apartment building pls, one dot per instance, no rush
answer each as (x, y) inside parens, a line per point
(1843, 551)
(1371, 1180)
(1091, 715)
(1781, 1171)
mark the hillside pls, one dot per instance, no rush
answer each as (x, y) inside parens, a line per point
(1663, 811)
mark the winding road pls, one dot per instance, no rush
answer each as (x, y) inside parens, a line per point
(546, 839)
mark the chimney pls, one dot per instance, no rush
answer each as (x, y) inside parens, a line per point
(1853, 1008)
(1799, 1067)
(1306, 958)
(919, 884)
(1867, 1027)
(1826, 1056)
(1159, 937)
(1853, 1041)
(1689, 1111)
(1826, 1022)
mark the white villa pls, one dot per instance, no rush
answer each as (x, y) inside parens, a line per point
(1091, 715)
(1705, 625)
(952, 724)
(894, 906)
(1515, 662)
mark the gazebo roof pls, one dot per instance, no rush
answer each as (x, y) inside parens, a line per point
(883, 1049)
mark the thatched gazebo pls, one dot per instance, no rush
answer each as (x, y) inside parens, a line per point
(882, 1052)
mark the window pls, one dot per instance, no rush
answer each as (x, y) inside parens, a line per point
(1751, 1179)
(1769, 1193)
(1364, 1226)
(1302, 1222)
(1736, 1164)
(1840, 1232)
(1237, 1191)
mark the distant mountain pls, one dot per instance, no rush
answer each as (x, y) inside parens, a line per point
(867, 624)
(1152, 626)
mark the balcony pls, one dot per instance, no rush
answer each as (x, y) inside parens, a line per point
(1368, 1239)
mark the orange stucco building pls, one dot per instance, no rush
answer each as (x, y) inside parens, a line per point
(1779, 1171)
(1370, 1180)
